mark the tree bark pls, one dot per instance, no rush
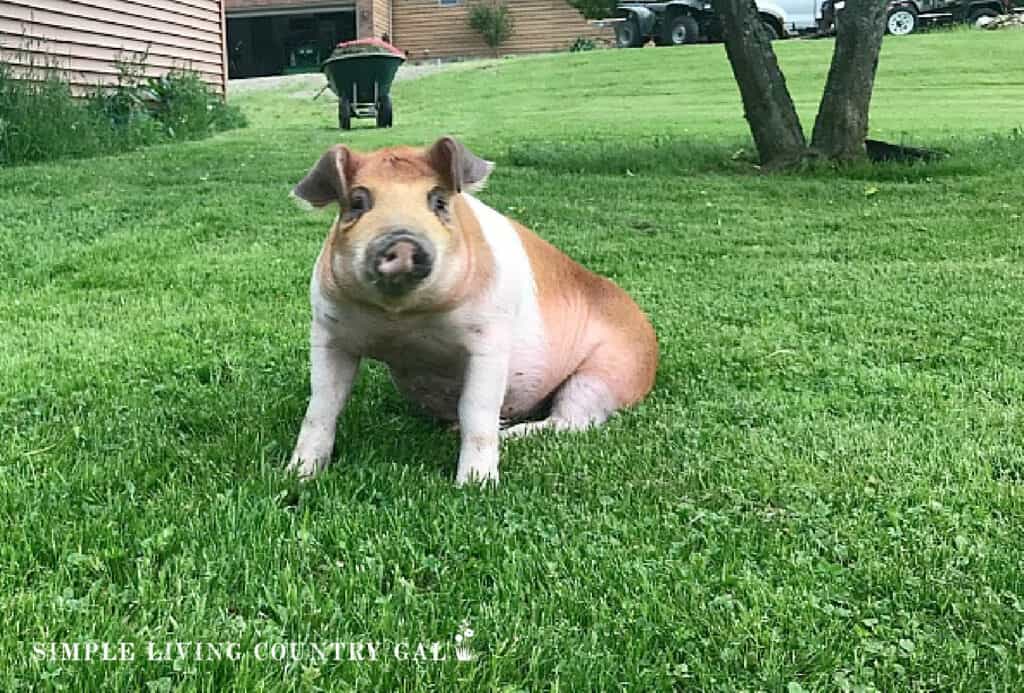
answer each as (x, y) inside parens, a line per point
(842, 122)
(767, 105)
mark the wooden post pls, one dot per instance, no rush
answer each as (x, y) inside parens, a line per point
(224, 50)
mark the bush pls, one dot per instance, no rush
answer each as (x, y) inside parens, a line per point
(188, 110)
(595, 9)
(122, 112)
(493, 21)
(41, 120)
(582, 43)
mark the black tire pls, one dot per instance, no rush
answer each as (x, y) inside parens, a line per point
(770, 28)
(682, 30)
(627, 34)
(385, 113)
(977, 14)
(344, 114)
(901, 21)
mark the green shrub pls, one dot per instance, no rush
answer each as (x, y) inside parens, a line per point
(595, 9)
(582, 43)
(188, 110)
(493, 21)
(123, 110)
(41, 120)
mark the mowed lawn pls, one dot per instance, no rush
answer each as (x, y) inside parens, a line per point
(825, 490)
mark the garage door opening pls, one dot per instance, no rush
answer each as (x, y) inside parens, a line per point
(261, 45)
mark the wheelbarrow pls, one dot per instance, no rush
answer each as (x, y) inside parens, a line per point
(362, 83)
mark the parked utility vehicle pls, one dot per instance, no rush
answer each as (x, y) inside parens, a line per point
(678, 22)
(906, 16)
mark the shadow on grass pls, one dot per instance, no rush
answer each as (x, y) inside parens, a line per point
(669, 156)
(379, 432)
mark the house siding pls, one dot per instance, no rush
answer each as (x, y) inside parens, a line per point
(85, 38)
(381, 18)
(426, 29)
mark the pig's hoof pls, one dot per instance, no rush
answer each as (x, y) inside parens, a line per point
(306, 469)
(483, 475)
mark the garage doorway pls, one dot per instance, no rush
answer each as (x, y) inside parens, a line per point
(260, 45)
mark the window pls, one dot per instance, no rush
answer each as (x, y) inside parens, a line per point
(448, 3)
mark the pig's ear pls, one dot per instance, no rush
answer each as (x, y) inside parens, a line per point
(327, 181)
(460, 169)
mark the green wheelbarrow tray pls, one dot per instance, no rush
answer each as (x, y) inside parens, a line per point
(362, 83)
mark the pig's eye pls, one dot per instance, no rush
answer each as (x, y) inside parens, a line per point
(438, 201)
(359, 203)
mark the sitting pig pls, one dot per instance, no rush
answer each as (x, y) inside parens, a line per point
(479, 320)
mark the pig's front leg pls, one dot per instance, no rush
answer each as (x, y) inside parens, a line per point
(483, 392)
(332, 373)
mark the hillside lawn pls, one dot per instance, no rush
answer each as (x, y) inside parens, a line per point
(825, 491)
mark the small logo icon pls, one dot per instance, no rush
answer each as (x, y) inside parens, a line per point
(463, 653)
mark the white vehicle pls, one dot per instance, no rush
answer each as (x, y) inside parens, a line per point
(794, 16)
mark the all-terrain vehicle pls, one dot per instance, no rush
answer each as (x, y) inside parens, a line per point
(678, 22)
(906, 16)
(672, 23)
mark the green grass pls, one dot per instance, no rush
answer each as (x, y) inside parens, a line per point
(824, 491)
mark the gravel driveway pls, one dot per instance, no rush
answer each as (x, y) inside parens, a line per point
(307, 85)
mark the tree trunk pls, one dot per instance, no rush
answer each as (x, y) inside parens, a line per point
(767, 105)
(842, 122)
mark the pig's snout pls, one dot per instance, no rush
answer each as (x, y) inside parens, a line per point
(399, 260)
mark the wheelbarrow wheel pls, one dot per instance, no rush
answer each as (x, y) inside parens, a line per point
(385, 114)
(344, 114)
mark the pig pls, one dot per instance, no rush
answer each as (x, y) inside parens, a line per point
(479, 320)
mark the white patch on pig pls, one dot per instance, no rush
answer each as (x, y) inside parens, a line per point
(515, 292)
(514, 281)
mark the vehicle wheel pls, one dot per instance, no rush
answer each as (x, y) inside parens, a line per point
(385, 114)
(344, 114)
(901, 21)
(770, 29)
(683, 29)
(975, 17)
(627, 34)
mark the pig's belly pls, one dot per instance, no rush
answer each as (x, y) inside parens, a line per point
(438, 392)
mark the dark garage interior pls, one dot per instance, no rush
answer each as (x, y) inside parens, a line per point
(285, 43)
